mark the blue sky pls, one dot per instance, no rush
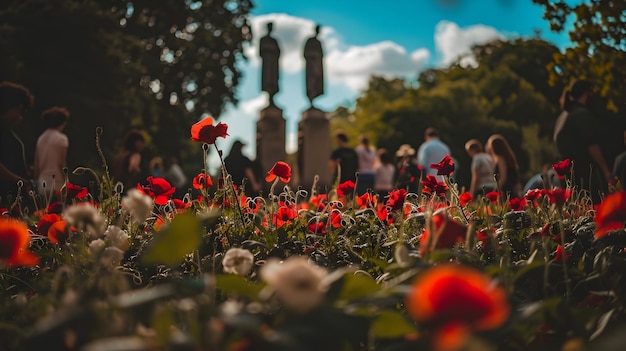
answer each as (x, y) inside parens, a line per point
(361, 38)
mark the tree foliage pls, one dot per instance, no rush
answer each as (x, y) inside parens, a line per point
(598, 53)
(507, 94)
(156, 65)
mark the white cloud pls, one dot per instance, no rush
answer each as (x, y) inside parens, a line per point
(357, 64)
(291, 34)
(351, 66)
(452, 42)
(253, 106)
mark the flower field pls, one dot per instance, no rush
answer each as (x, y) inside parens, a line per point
(109, 269)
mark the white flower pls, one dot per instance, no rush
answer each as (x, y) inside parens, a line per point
(138, 204)
(117, 237)
(87, 217)
(96, 246)
(297, 283)
(238, 261)
(401, 255)
(111, 256)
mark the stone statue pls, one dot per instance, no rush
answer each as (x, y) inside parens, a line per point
(313, 56)
(270, 52)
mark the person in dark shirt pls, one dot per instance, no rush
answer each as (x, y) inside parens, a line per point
(344, 161)
(15, 101)
(127, 164)
(240, 167)
(409, 173)
(577, 137)
(619, 167)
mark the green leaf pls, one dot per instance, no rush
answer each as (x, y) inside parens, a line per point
(357, 286)
(391, 325)
(232, 284)
(179, 239)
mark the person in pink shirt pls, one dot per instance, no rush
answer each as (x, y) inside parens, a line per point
(51, 151)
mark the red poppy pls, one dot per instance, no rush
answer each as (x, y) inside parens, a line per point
(46, 221)
(281, 170)
(517, 204)
(433, 186)
(14, 241)
(159, 189)
(55, 207)
(180, 204)
(202, 181)
(335, 218)
(484, 236)
(76, 191)
(534, 194)
(318, 228)
(366, 200)
(558, 196)
(456, 300)
(563, 168)
(465, 198)
(204, 131)
(611, 213)
(346, 188)
(444, 167)
(384, 215)
(560, 253)
(319, 201)
(59, 232)
(448, 232)
(492, 196)
(395, 199)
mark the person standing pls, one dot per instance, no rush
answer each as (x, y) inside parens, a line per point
(51, 151)
(619, 166)
(367, 158)
(15, 101)
(385, 174)
(344, 161)
(482, 168)
(173, 173)
(577, 137)
(432, 151)
(127, 166)
(270, 53)
(240, 167)
(409, 173)
(506, 169)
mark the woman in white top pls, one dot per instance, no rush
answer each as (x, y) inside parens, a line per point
(482, 167)
(385, 174)
(367, 158)
(51, 151)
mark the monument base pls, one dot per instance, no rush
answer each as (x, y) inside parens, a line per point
(314, 149)
(270, 140)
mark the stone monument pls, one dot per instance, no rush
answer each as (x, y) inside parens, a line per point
(314, 128)
(271, 132)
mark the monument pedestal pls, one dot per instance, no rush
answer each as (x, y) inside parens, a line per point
(314, 149)
(270, 140)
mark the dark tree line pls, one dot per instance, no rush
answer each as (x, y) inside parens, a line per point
(156, 65)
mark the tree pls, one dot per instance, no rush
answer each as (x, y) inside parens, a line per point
(599, 45)
(507, 94)
(157, 65)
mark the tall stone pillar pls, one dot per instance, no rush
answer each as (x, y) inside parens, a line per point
(271, 139)
(314, 148)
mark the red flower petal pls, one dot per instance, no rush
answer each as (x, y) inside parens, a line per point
(281, 170)
(14, 241)
(451, 293)
(205, 131)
